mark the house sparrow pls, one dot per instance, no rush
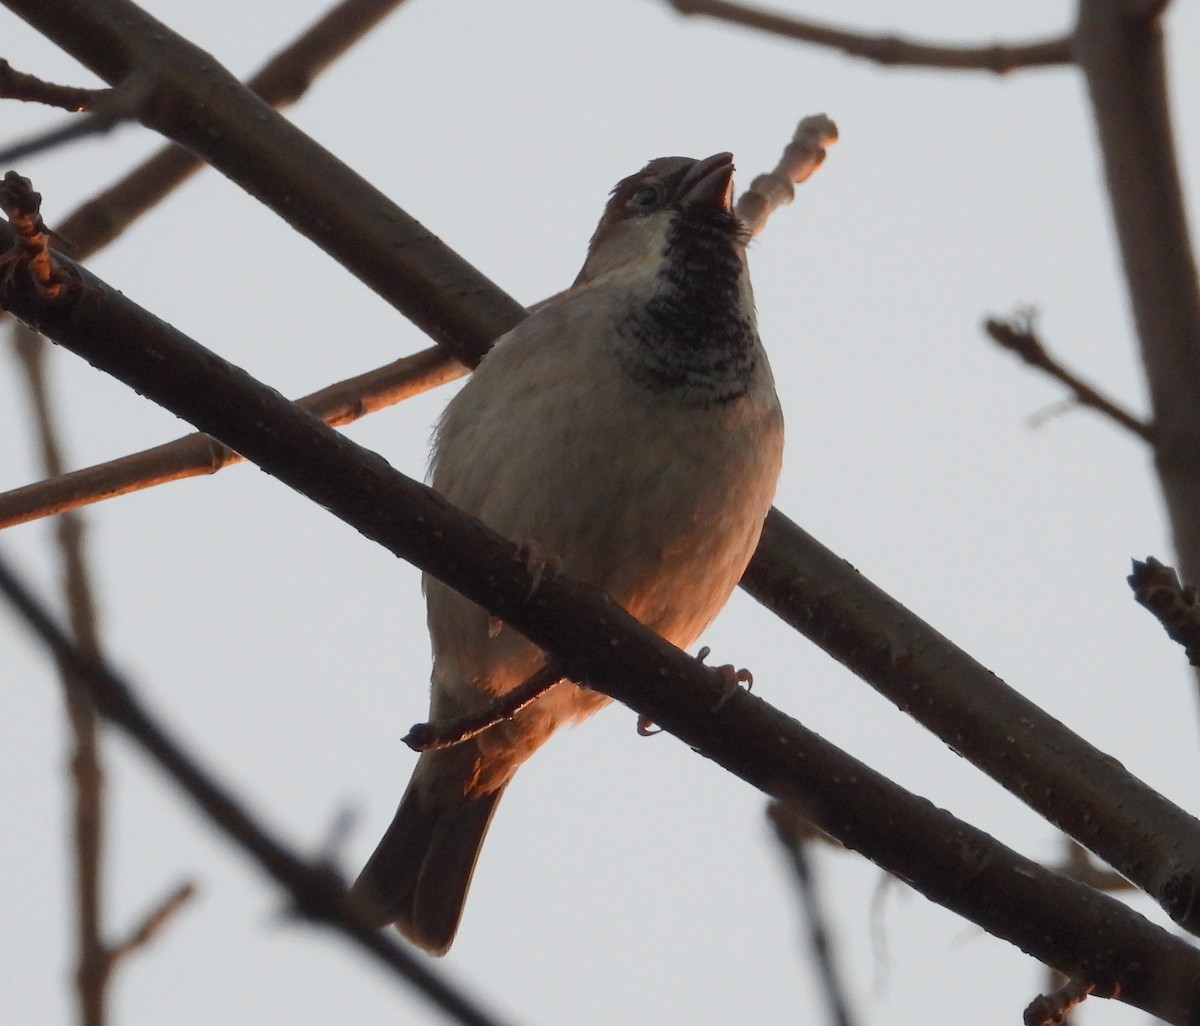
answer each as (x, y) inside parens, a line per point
(628, 428)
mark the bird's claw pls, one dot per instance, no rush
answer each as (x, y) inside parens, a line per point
(646, 727)
(731, 679)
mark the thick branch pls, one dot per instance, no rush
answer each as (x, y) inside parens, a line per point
(888, 50)
(1061, 922)
(199, 104)
(280, 82)
(1120, 48)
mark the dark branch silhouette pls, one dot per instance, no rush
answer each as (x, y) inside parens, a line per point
(319, 894)
(886, 49)
(1175, 606)
(1085, 934)
(1018, 335)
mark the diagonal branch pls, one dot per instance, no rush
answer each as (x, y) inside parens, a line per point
(198, 454)
(1018, 336)
(887, 49)
(1083, 933)
(318, 892)
(280, 82)
(203, 107)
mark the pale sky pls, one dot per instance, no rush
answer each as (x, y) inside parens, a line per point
(625, 880)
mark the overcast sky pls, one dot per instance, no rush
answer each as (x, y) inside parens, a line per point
(625, 880)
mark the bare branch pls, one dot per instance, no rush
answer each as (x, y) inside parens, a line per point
(1175, 606)
(888, 50)
(197, 454)
(1119, 45)
(1018, 336)
(280, 82)
(794, 831)
(319, 894)
(801, 157)
(437, 734)
(274, 161)
(32, 255)
(152, 923)
(92, 963)
(16, 85)
(1085, 934)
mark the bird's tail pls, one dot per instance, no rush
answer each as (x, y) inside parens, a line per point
(419, 873)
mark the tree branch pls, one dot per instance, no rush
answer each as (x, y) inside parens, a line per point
(280, 82)
(794, 833)
(17, 85)
(319, 894)
(1017, 335)
(152, 923)
(887, 50)
(199, 454)
(1176, 607)
(203, 107)
(801, 157)
(1061, 922)
(1120, 49)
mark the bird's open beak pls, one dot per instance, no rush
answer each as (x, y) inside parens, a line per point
(709, 182)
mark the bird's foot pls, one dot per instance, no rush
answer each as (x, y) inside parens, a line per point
(731, 678)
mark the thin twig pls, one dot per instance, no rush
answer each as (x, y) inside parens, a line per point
(108, 108)
(1018, 335)
(93, 958)
(793, 829)
(17, 85)
(801, 157)
(198, 454)
(319, 894)
(1175, 606)
(890, 49)
(427, 737)
(152, 923)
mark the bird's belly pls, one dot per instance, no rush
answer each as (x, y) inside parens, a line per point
(665, 533)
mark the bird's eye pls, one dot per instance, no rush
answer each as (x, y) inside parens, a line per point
(645, 199)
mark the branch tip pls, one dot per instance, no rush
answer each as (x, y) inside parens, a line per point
(1049, 1009)
(32, 245)
(1018, 334)
(1175, 605)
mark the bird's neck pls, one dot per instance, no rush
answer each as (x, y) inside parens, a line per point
(694, 333)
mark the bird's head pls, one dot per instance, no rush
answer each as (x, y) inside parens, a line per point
(669, 197)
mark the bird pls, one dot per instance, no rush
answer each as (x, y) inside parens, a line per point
(629, 431)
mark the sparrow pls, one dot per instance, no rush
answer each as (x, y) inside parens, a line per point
(629, 428)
